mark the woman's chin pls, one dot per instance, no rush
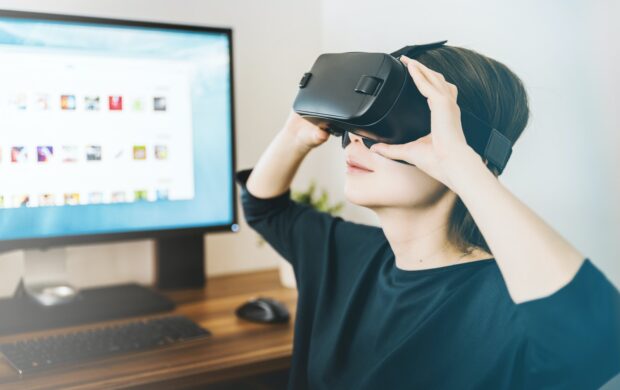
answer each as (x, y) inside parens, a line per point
(357, 197)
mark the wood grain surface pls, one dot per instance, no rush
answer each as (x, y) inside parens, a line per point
(236, 349)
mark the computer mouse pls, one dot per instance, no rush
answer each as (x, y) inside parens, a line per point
(263, 309)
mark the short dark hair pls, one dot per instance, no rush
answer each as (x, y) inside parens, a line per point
(492, 92)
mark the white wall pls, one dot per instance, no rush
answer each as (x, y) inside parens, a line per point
(274, 43)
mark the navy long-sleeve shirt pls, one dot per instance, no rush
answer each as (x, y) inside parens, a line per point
(363, 323)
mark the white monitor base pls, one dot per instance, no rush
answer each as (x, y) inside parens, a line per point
(45, 276)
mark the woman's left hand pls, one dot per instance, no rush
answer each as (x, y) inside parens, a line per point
(442, 148)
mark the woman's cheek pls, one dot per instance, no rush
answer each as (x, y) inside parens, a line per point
(406, 186)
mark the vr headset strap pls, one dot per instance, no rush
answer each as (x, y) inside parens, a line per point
(485, 140)
(488, 142)
(413, 50)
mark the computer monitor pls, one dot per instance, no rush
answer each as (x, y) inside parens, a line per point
(112, 130)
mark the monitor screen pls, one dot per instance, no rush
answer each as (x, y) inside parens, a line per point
(113, 127)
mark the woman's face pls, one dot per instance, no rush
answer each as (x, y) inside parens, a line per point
(386, 182)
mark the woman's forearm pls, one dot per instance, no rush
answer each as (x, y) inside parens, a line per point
(535, 261)
(273, 173)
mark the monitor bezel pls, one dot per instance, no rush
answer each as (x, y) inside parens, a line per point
(57, 241)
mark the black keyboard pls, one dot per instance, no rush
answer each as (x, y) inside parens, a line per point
(49, 351)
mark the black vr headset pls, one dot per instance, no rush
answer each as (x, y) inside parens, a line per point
(372, 95)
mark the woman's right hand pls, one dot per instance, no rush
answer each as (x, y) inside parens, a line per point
(277, 166)
(306, 134)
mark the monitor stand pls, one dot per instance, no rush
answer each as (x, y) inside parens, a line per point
(180, 261)
(44, 299)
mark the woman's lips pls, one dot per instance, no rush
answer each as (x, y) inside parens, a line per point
(354, 167)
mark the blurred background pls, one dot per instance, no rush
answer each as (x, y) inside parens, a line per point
(564, 166)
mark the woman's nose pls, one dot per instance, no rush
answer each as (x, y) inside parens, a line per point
(347, 137)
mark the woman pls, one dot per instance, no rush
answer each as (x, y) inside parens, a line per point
(462, 286)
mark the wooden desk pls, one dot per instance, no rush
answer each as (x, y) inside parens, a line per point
(237, 348)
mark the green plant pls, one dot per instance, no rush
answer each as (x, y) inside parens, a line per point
(320, 203)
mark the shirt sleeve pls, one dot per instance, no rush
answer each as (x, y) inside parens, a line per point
(295, 230)
(573, 335)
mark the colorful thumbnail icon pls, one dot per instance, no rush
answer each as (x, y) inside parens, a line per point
(93, 153)
(137, 104)
(159, 103)
(70, 154)
(92, 103)
(95, 197)
(115, 103)
(118, 197)
(139, 152)
(19, 154)
(141, 195)
(161, 152)
(162, 194)
(42, 102)
(45, 153)
(21, 200)
(18, 101)
(47, 200)
(67, 102)
(72, 199)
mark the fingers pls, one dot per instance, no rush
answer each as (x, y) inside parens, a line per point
(423, 84)
(433, 76)
(394, 152)
(435, 80)
(454, 90)
(321, 135)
